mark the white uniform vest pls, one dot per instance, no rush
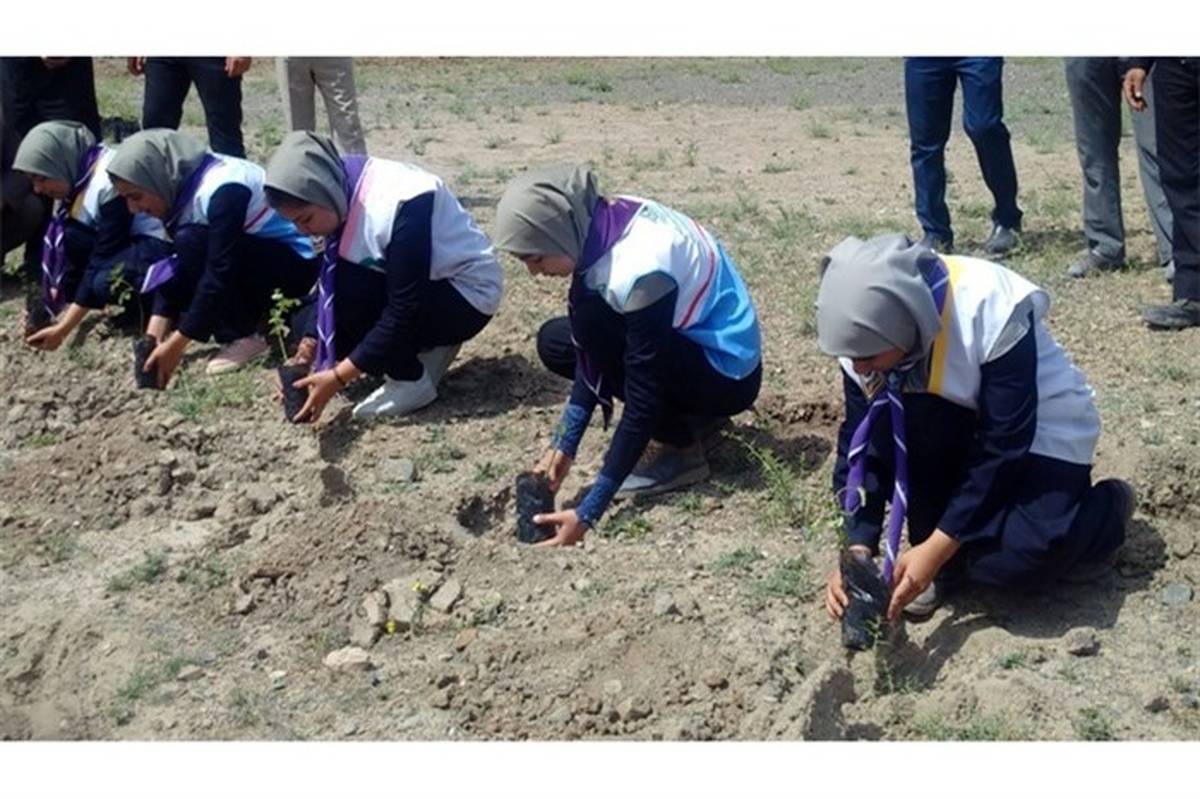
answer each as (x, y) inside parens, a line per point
(99, 191)
(985, 306)
(460, 252)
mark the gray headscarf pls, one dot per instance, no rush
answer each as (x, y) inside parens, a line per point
(873, 298)
(54, 150)
(308, 166)
(547, 212)
(158, 161)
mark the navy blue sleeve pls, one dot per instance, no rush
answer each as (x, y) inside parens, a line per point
(1008, 401)
(864, 527)
(646, 333)
(226, 218)
(407, 265)
(112, 229)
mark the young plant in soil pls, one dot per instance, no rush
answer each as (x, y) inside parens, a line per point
(122, 293)
(293, 398)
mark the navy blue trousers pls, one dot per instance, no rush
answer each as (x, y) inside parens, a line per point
(929, 85)
(167, 83)
(696, 393)
(1177, 129)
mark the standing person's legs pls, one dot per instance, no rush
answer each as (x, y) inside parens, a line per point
(983, 120)
(167, 85)
(1095, 91)
(929, 100)
(70, 93)
(1177, 132)
(296, 88)
(335, 78)
(1147, 149)
(221, 97)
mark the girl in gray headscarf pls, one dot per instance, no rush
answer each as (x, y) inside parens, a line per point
(406, 276)
(963, 410)
(96, 251)
(231, 251)
(658, 317)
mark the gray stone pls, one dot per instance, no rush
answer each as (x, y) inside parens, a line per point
(398, 470)
(167, 458)
(200, 509)
(163, 486)
(374, 607)
(634, 708)
(404, 612)
(715, 679)
(243, 604)
(664, 605)
(363, 633)
(441, 699)
(560, 715)
(444, 598)
(465, 638)
(189, 674)
(1183, 545)
(350, 729)
(613, 688)
(1177, 594)
(1191, 701)
(350, 658)
(1081, 642)
(261, 497)
(581, 585)
(278, 680)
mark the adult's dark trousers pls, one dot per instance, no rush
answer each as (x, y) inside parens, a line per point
(444, 317)
(259, 267)
(1177, 125)
(167, 83)
(1094, 85)
(929, 86)
(696, 394)
(33, 93)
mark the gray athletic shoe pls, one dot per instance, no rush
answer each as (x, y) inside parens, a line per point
(437, 360)
(1092, 262)
(926, 602)
(1176, 316)
(664, 468)
(1002, 240)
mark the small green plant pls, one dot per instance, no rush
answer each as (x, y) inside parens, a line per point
(485, 472)
(689, 153)
(984, 728)
(203, 575)
(1092, 725)
(1013, 660)
(152, 566)
(494, 142)
(690, 503)
(818, 130)
(738, 559)
(420, 144)
(788, 579)
(783, 505)
(192, 398)
(41, 440)
(554, 135)
(776, 168)
(60, 546)
(801, 102)
(626, 523)
(277, 319)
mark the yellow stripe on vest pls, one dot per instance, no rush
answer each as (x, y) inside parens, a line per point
(937, 365)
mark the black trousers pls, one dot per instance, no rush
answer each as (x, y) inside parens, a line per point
(260, 266)
(445, 317)
(34, 93)
(167, 83)
(696, 393)
(23, 220)
(1177, 129)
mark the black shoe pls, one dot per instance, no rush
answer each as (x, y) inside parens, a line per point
(1092, 261)
(1002, 240)
(936, 243)
(1176, 316)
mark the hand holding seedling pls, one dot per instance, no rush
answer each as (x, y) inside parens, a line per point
(49, 338)
(555, 465)
(323, 385)
(836, 598)
(166, 357)
(568, 529)
(916, 568)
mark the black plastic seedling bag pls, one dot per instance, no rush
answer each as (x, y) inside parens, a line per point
(293, 398)
(863, 622)
(533, 497)
(142, 347)
(36, 315)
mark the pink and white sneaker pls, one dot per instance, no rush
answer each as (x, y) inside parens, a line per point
(236, 354)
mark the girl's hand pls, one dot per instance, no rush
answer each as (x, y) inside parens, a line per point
(166, 357)
(555, 465)
(568, 530)
(835, 594)
(916, 568)
(48, 338)
(321, 388)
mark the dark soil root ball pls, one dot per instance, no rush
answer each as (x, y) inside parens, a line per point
(36, 315)
(142, 347)
(863, 623)
(533, 497)
(293, 398)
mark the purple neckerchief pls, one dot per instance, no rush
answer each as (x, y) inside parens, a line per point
(54, 248)
(610, 218)
(326, 355)
(162, 271)
(937, 277)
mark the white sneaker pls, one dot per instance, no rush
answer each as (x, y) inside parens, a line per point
(437, 360)
(236, 354)
(396, 398)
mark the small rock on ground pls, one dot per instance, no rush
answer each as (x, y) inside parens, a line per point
(664, 605)
(1082, 642)
(350, 658)
(1177, 594)
(444, 598)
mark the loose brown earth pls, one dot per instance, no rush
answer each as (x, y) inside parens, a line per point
(179, 565)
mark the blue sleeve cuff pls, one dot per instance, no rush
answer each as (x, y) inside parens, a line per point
(570, 429)
(597, 500)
